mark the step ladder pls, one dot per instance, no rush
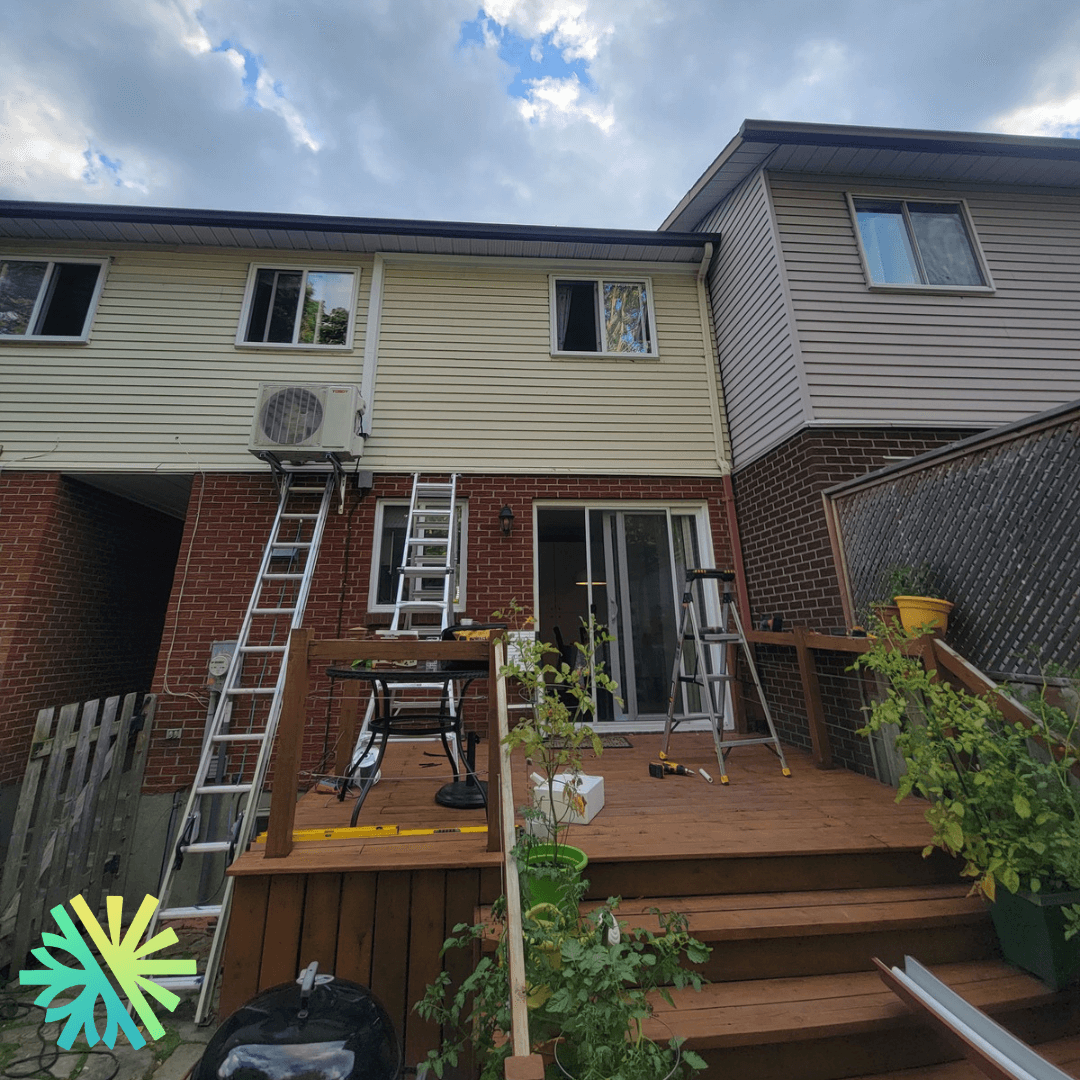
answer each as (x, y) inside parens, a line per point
(239, 738)
(427, 585)
(710, 671)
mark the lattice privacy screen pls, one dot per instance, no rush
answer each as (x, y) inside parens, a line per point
(999, 525)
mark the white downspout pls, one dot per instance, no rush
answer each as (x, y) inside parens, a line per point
(371, 341)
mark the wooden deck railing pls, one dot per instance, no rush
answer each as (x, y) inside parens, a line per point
(934, 653)
(305, 650)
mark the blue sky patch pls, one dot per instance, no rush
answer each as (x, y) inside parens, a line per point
(95, 162)
(532, 58)
(252, 67)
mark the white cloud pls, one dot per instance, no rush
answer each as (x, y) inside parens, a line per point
(561, 101)
(1054, 108)
(573, 31)
(268, 97)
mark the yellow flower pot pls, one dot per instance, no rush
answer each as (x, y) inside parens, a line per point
(917, 612)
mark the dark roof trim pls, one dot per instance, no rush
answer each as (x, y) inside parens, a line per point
(757, 139)
(912, 139)
(241, 219)
(1051, 417)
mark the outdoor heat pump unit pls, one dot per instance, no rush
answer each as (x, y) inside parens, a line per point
(304, 422)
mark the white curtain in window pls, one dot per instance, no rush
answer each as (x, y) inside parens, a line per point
(563, 292)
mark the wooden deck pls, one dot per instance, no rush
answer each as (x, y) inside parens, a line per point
(796, 882)
(759, 814)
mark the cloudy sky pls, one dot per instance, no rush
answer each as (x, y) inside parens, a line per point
(561, 112)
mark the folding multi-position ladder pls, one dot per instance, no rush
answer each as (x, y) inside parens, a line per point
(710, 671)
(426, 586)
(426, 581)
(239, 738)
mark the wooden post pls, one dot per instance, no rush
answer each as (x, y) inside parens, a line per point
(815, 714)
(290, 738)
(350, 708)
(494, 801)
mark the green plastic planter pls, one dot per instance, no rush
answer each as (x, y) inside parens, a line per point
(551, 890)
(1031, 929)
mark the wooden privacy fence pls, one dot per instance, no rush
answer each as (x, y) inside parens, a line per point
(75, 820)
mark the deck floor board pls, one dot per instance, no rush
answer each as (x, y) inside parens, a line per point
(760, 812)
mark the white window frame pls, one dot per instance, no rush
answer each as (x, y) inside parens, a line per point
(598, 280)
(249, 296)
(920, 287)
(45, 292)
(376, 552)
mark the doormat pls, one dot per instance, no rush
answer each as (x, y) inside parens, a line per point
(608, 742)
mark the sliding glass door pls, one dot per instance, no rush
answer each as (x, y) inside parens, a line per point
(624, 566)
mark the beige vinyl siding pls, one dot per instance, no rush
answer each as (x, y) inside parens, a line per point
(923, 358)
(161, 383)
(466, 380)
(758, 358)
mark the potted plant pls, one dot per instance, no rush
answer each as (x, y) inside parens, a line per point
(554, 736)
(911, 592)
(589, 987)
(1004, 803)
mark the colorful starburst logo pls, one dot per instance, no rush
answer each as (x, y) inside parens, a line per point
(123, 956)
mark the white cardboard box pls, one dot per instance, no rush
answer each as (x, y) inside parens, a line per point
(587, 800)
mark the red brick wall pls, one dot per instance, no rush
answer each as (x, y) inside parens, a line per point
(83, 581)
(224, 538)
(790, 571)
(785, 541)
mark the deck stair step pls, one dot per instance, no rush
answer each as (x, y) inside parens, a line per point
(1064, 1053)
(811, 933)
(829, 1026)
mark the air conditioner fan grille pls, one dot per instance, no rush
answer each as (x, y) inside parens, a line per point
(290, 417)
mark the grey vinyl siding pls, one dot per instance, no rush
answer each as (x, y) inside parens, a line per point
(161, 383)
(928, 359)
(758, 357)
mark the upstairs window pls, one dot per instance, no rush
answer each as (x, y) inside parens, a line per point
(908, 242)
(40, 298)
(299, 307)
(601, 316)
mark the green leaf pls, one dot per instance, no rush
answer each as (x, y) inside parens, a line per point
(1021, 806)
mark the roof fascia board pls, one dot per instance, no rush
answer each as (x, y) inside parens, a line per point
(242, 219)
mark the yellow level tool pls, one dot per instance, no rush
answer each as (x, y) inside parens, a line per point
(369, 832)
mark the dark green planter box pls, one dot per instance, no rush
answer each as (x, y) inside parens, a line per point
(1031, 929)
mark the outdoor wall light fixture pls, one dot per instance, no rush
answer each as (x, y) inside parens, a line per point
(506, 520)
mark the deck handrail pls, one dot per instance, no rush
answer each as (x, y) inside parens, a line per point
(304, 650)
(522, 1063)
(931, 650)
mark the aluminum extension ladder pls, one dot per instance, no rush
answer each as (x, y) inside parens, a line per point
(713, 677)
(239, 738)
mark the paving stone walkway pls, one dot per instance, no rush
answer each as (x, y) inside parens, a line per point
(28, 1046)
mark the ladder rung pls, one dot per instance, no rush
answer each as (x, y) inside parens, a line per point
(179, 982)
(223, 789)
(299, 517)
(263, 648)
(715, 637)
(282, 577)
(280, 543)
(272, 610)
(206, 910)
(419, 605)
(250, 737)
(725, 743)
(306, 490)
(206, 847)
(251, 690)
(425, 571)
